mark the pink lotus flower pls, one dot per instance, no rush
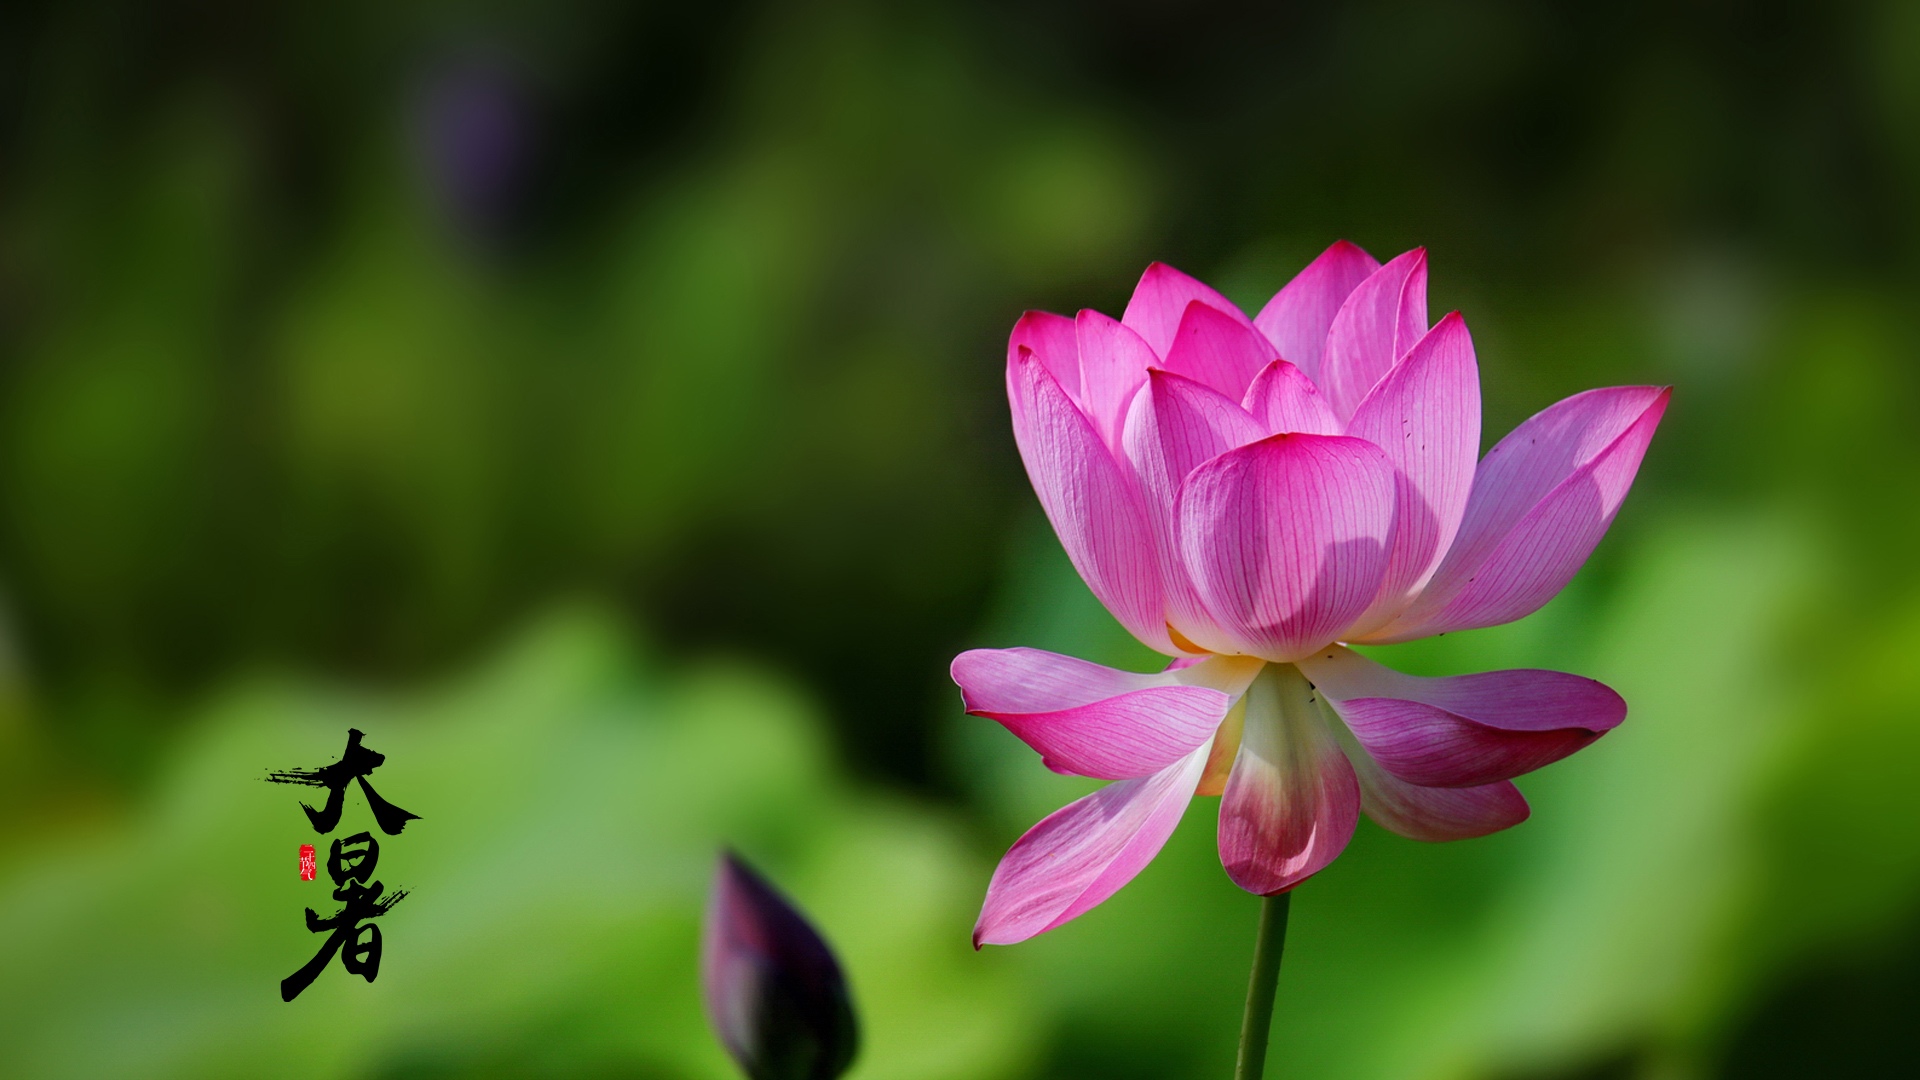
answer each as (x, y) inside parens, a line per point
(1249, 496)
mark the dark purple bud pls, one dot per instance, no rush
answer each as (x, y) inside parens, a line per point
(774, 992)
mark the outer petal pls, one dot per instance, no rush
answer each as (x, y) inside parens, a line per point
(1022, 680)
(1034, 680)
(1426, 415)
(1466, 730)
(1383, 318)
(1298, 317)
(1085, 719)
(1282, 399)
(1160, 301)
(1093, 506)
(1113, 363)
(1218, 350)
(1081, 854)
(1285, 540)
(1051, 338)
(1292, 800)
(1176, 424)
(1541, 501)
(1435, 814)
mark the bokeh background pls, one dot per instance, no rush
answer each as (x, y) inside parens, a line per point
(601, 405)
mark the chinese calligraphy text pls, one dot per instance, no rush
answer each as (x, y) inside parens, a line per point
(350, 864)
(355, 764)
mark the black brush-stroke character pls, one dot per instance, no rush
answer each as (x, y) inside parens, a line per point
(359, 946)
(355, 764)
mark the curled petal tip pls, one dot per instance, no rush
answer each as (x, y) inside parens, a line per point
(774, 993)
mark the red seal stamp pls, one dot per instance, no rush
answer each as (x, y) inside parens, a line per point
(306, 862)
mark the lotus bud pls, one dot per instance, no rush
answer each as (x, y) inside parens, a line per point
(774, 992)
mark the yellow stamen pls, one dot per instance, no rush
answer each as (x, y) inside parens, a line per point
(1180, 641)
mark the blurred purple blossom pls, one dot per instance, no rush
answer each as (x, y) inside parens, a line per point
(473, 130)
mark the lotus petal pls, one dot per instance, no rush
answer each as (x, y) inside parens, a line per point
(1160, 301)
(1292, 800)
(1084, 852)
(1300, 315)
(1085, 719)
(1382, 318)
(1463, 730)
(1426, 416)
(1094, 507)
(1285, 539)
(1218, 351)
(1175, 425)
(1283, 400)
(1541, 501)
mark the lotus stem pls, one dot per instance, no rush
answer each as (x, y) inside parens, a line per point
(1272, 939)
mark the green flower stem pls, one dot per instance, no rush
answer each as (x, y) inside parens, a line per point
(1266, 972)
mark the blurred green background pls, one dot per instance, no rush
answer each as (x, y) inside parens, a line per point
(601, 406)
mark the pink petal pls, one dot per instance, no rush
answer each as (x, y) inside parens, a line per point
(1466, 730)
(1383, 318)
(1285, 539)
(1426, 415)
(1022, 680)
(1113, 364)
(1218, 350)
(1541, 501)
(1434, 814)
(1160, 301)
(1545, 451)
(1081, 854)
(1094, 507)
(1299, 316)
(1292, 800)
(1051, 338)
(1122, 737)
(1087, 720)
(1176, 424)
(1282, 399)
